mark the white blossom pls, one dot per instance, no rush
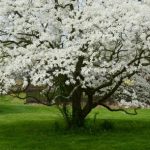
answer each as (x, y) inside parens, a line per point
(45, 42)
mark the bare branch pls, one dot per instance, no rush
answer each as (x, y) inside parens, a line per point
(119, 109)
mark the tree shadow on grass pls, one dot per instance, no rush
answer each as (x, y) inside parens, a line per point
(118, 125)
(46, 135)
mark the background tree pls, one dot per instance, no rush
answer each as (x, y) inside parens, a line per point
(74, 51)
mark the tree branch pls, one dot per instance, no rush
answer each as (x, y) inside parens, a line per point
(119, 109)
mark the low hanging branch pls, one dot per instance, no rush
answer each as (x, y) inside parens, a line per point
(119, 109)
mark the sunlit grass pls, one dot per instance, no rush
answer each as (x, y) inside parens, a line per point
(37, 127)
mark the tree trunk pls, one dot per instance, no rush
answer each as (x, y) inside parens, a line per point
(77, 118)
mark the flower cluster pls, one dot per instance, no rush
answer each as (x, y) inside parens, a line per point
(97, 44)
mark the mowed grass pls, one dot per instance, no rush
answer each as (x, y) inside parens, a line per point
(37, 127)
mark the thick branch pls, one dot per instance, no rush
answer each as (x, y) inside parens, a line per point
(65, 97)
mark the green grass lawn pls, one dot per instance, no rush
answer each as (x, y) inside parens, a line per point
(36, 127)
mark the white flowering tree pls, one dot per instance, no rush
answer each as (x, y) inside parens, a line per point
(134, 92)
(74, 50)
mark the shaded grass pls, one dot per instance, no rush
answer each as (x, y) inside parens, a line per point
(36, 127)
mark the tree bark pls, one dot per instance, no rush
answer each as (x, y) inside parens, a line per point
(77, 118)
(89, 106)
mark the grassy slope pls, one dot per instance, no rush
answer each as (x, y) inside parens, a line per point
(32, 127)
